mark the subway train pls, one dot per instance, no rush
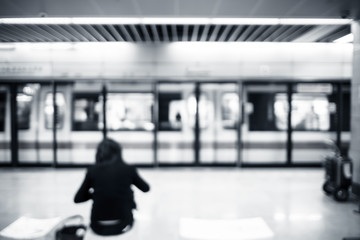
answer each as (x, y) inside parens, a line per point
(180, 122)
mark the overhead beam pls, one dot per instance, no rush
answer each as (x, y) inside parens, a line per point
(5, 34)
(254, 35)
(55, 33)
(155, 33)
(225, 33)
(17, 36)
(276, 33)
(85, 33)
(105, 33)
(65, 30)
(316, 33)
(126, 33)
(234, 35)
(165, 33)
(135, 33)
(115, 33)
(205, 32)
(246, 33)
(185, 33)
(94, 33)
(174, 33)
(287, 32)
(30, 29)
(146, 33)
(195, 33)
(47, 33)
(214, 33)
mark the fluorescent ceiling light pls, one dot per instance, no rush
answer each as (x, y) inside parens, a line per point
(35, 20)
(80, 20)
(314, 21)
(201, 21)
(345, 39)
(280, 21)
(246, 21)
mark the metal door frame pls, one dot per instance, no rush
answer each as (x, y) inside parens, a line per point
(289, 145)
(196, 144)
(14, 143)
(13, 84)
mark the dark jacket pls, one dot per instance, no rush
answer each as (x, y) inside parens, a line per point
(109, 186)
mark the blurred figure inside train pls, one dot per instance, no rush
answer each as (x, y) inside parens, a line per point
(108, 184)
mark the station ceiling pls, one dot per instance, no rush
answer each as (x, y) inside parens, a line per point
(172, 32)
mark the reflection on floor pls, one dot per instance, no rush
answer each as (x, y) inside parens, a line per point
(204, 203)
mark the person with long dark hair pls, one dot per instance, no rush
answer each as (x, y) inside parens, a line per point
(108, 184)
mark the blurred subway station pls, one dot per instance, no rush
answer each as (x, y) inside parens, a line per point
(243, 115)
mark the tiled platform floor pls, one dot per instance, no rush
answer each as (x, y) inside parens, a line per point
(289, 201)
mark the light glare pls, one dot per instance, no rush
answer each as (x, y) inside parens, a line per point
(225, 229)
(345, 39)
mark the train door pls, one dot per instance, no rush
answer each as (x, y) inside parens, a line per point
(264, 124)
(62, 121)
(129, 120)
(313, 121)
(86, 122)
(35, 136)
(176, 123)
(5, 129)
(345, 116)
(218, 123)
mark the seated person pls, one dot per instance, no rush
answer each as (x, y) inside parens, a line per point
(108, 184)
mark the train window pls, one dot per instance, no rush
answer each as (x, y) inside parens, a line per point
(87, 110)
(229, 110)
(171, 111)
(2, 111)
(49, 110)
(309, 112)
(174, 111)
(314, 107)
(281, 109)
(260, 108)
(129, 111)
(269, 112)
(24, 103)
(346, 116)
(206, 110)
(24, 99)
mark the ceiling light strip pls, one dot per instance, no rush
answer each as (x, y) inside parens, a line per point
(180, 21)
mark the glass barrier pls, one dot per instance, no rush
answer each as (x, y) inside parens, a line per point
(264, 125)
(176, 116)
(35, 139)
(129, 120)
(313, 121)
(78, 140)
(346, 116)
(5, 128)
(218, 119)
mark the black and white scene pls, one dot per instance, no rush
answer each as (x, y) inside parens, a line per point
(180, 120)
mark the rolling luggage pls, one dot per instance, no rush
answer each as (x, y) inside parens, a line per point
(338, 176)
